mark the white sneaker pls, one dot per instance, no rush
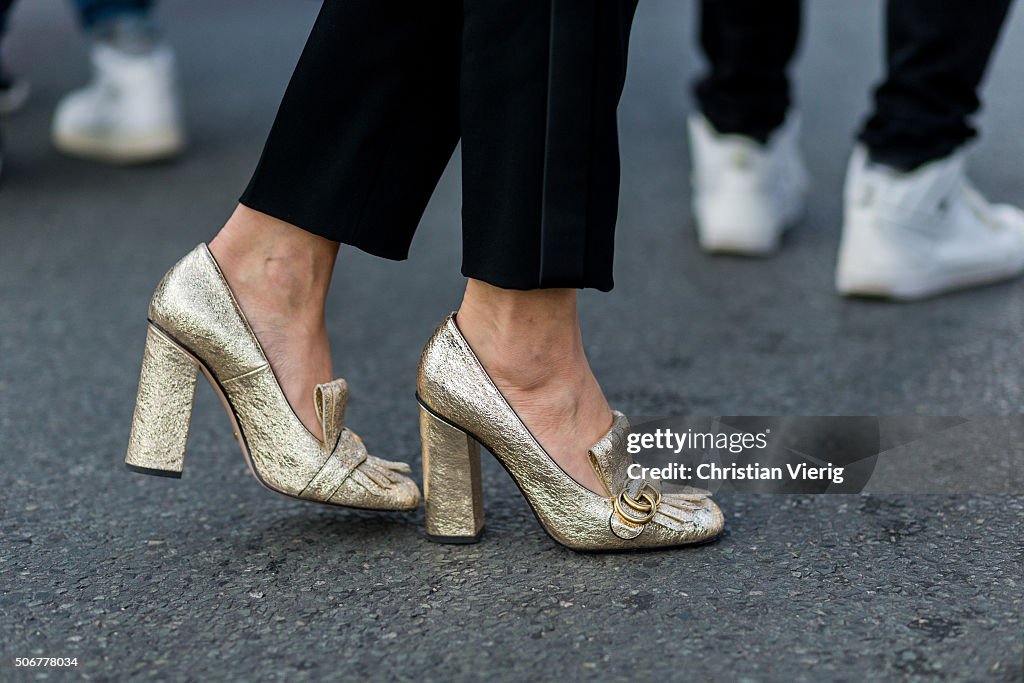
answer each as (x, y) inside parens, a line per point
(129, 113)
(911, 235)
(745, 194)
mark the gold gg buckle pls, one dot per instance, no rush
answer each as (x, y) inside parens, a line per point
(639, 510)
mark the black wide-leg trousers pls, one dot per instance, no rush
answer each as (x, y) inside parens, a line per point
(936, 56)
(384, 91)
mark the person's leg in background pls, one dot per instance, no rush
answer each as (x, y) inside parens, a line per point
(934, 70)
(913, 224)
(748, 178)
(130, 111)
(13, 91)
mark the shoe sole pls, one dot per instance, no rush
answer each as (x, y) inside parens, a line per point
(851, 283)
(140, 149)
(731, 245)
(728, 247)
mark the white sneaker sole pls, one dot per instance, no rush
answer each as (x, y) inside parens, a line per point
(123, 149)
(736, 243)
(912, 287)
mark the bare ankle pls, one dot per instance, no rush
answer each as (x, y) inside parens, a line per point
(280, 275)
(286, 268)
(528, 339)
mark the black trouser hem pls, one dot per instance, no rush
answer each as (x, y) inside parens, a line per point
(509, 281)
(390, 249)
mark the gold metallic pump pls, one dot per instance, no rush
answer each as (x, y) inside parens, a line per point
(461, 408)
(195, 325)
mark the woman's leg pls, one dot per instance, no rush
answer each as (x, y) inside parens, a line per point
(364, 131)
(540, 86)
(531, 345)
(369, 121)
(280, 275)
(367, 125)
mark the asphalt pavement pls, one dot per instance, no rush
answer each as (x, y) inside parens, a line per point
(213, 578)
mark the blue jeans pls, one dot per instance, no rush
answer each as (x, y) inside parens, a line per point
(92, 12)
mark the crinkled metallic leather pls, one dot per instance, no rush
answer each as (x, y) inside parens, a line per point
(330, 400)
(163, 406)
(452, 491)
(609, 458)
(283, 452)
(194, 305)
(453, 384)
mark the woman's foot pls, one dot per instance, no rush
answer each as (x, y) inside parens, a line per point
(280, 275)
(530, 344)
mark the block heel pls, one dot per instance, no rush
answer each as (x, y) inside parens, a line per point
(163, 408)
(451, 481)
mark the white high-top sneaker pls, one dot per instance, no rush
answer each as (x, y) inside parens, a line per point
(129, 113)
(745, 194)
(912, 235)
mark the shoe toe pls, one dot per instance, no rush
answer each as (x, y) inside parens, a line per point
(377, 486)
(403, 494)
(689, 519)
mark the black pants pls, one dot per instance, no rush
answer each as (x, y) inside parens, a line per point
(384, 91)
(5, 9)
(936, 54)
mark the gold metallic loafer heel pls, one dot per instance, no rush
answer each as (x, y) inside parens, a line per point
(451, 481)
(163, 408)
(195, 325)
(461, 409)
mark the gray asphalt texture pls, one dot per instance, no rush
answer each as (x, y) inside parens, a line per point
(213, 578)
